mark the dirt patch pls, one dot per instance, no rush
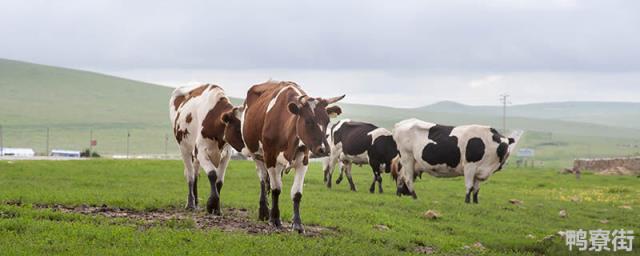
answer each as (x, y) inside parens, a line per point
(233, 219)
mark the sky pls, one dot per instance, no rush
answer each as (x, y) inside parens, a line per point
(395, 53)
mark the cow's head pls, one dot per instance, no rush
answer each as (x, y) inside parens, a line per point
(503, 151)
(399, 176)
(313, 117)
(233, 129)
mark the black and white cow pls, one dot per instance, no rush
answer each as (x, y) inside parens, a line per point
(359, 143)
(472, 151)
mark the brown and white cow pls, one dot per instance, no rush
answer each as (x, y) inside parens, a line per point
(206, 125)
(281, 126)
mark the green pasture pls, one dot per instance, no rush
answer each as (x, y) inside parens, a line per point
(502, 228)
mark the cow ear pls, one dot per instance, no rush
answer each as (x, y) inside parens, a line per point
(511, 141)
(334, 111)
(227, 116)
(293, 108)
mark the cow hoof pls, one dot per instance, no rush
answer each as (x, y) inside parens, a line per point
(372, 191)
(276, 223)
(380, 191)
(413, 195)
(338, 180)
(214, 211)
(190, 207)
(354, 190)
(298, 228)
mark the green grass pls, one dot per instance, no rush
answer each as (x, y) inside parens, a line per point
(145, 185)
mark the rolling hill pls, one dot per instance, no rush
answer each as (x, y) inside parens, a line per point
(618, 114)
(72, 104)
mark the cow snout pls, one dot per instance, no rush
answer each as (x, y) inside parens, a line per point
(322, 151)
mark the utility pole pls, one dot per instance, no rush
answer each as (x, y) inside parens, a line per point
(128, 139)
(46, 152)
(166, 142)
(90, 142)
(504, 99)
(1, 143)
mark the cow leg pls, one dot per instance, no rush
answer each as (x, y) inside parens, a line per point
(347, 169)
(220, 172)
(196, 173)
(380, 182)
(469, 177)
(329, 165)
(333, 160)
(296, 193)
(215, 177)
(275, 180)
(189, 175)
(263, 211)
(375, 167)
(342, 169)
(476, 190)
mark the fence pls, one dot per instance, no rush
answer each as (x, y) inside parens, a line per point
(110, 140)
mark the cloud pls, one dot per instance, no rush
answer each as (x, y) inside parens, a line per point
(486, 81)
(409, 53)
(487, 36)
(414, 89)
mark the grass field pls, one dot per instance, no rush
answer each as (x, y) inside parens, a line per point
(502, 228)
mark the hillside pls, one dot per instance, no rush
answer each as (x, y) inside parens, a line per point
(619, 114)
(73, 103)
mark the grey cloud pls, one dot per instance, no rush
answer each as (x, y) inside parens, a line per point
(482, 36)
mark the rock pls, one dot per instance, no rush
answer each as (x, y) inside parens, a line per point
(530, 236)
(604, 221)
(563, 214)
(425, 250)
(381, 227)
(515, 201)
(562, 234)
(479, 246)
(431, 214)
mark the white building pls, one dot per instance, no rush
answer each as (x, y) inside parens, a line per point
(64, 153)
(21, 152)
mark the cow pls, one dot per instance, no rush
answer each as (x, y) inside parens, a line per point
(472, 151)
(360, 143)
(206, 126)
(281, 126)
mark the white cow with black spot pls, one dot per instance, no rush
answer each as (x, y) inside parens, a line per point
(472, 151)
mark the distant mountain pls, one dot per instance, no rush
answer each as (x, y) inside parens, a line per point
(619, 114)
(74, 104)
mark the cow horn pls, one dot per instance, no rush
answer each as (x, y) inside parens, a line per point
(335, 99)
(302, 99)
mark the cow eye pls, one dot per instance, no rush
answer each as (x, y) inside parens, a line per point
(308, 122)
